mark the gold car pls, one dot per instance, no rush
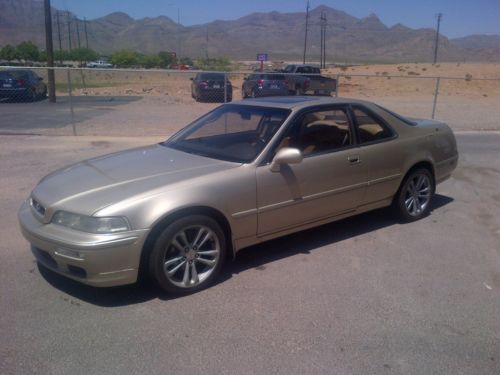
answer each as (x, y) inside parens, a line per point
(244, 173)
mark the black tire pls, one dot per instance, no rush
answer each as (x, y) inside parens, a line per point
(413, 199)
(32, 96)
(188, 255)
(253, 95)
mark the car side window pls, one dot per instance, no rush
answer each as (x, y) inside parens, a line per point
(319, 132)
(369, 128)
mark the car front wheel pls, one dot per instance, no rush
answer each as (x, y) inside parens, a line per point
(188, 254)
(414, 196)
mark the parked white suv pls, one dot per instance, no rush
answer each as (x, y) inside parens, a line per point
(99, 64)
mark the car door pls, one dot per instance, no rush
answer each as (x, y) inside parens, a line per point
(330, 180)
(384, 155)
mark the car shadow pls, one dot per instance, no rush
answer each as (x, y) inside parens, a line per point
(45, 115)
(256, 256)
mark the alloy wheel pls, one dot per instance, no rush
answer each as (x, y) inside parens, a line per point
(191, 256)
(417, 194)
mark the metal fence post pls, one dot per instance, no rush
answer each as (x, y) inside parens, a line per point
(337, 86)
(436, 92)
(225, 87)
(70, 95)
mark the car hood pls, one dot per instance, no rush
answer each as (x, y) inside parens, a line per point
(90, 185)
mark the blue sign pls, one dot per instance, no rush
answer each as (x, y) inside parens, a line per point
(262, 57)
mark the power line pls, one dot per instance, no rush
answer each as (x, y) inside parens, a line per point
(439, 15)
(68, 20)
(85, 30)
(305, 37)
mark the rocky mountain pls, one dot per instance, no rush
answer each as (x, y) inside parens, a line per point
(477, 41)
(281, 35)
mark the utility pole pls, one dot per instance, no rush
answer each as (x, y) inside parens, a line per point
(50, 51)
(68, 20)
(178, 34)
(59, 37)
(305, 37)
(77, 33)
(323, 40)
(206, 44)
(439, 15)
(86, 35)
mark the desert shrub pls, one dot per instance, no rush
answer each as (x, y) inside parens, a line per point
(413, 73)
(468, 77)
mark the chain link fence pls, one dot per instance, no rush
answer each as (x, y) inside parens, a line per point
(121, 102)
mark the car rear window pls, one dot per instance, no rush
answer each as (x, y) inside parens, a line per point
(274, 77)
(212, 76)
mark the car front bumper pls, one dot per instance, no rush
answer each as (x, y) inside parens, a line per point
(97, 260)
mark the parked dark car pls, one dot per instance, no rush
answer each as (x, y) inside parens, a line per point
(210, 86)
(21, 84)
(264, 84)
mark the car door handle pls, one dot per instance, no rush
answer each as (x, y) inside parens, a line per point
(354, 159)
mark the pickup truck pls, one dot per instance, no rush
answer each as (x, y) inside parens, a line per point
(305, 79)
(99, 64)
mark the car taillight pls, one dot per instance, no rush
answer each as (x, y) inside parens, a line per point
(203, 83)
(260, 82)
(21, 82)
(285, 82)
(306, 83)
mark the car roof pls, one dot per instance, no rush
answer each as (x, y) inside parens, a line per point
(297, 102)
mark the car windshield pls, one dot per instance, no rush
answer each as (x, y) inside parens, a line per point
(212, 76)
(236, 133)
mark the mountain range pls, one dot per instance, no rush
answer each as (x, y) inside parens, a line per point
(281, 35)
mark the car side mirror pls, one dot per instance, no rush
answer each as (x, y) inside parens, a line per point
(286, 155)
(245, 78)
(40, 78)
(192, 79)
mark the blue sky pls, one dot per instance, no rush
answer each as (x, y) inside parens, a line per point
(461, 17)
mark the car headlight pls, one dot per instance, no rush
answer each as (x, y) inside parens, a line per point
(90, 224)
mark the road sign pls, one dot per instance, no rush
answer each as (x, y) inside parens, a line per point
(262, 57)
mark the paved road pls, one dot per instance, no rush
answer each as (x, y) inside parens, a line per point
(362, 296)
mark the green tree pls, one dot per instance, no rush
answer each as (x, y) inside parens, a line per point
(27, 51)
(166, 58)
(125, 58)
(8, 53)
(149, 61)
(42, 56)
(83, 54)
(186, 61)
(61, 55)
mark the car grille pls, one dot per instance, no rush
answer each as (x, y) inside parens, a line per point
(38, 207)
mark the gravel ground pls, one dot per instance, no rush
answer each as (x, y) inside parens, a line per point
(362, 296)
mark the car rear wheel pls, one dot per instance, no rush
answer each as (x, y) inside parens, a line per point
(414, 196)
(188, 255)
(32, 97)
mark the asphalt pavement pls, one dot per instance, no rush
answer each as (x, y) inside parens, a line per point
(366, 295)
